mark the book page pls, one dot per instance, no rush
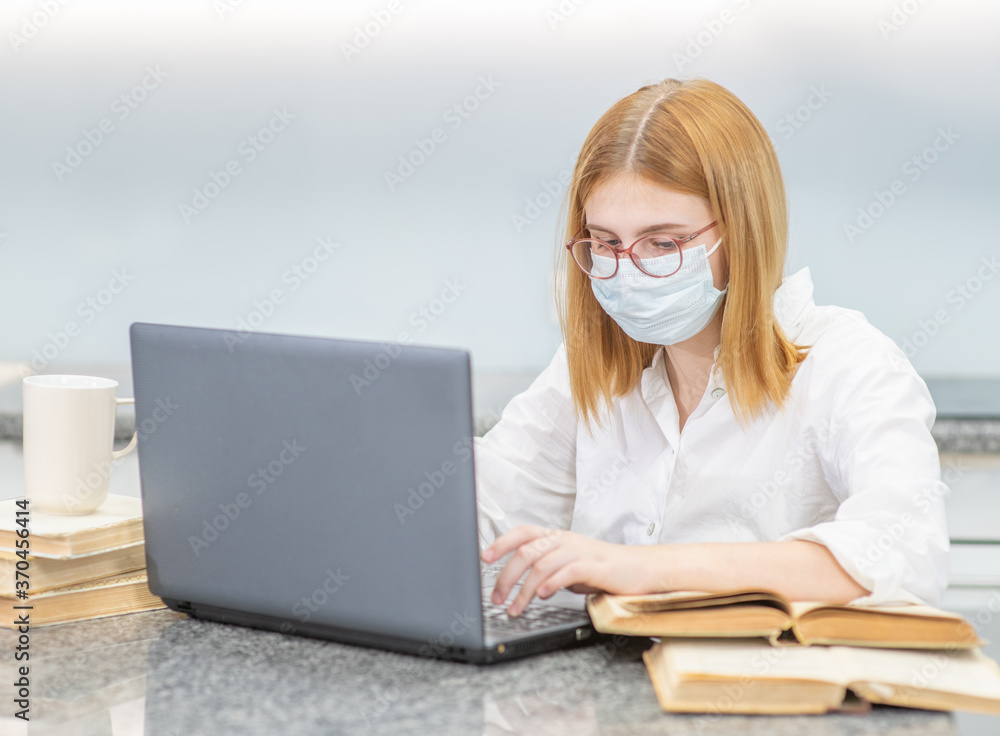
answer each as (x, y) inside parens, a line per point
(964, 671)
(753, 659)
(698, 599)
(639, 601)
(800, 608)
(7, 555)
(127, 578)
(117, 509)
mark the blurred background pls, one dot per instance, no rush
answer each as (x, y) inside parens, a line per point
(360, 169)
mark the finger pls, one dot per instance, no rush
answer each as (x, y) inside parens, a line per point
(570, 576)
(511, 540)
(521, 560)
(541, 575)
(523, 557)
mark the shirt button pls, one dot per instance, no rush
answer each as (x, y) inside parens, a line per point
(649, 531)
(719, 393)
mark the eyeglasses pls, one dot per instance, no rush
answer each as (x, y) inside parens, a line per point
(658, 256)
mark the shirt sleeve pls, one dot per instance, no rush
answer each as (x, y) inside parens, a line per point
(890, 532)
(526, 464)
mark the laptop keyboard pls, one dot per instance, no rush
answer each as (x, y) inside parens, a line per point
(535, 617)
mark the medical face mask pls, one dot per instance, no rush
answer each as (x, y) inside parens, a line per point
(661, 311)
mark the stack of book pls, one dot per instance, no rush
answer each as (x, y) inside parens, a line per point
(77, 568)
(753, 651)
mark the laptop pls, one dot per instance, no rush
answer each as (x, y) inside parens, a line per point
(323, 487)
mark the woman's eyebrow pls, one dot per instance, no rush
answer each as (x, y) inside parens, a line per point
(650, 229)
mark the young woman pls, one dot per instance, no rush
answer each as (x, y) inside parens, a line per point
(704, 425)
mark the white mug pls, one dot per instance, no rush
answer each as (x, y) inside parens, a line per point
(69, 427)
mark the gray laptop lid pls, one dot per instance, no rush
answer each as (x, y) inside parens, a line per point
(315, 480)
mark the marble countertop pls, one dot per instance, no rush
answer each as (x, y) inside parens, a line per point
(162, 673)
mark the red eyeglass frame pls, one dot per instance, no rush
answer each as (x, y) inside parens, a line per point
(632, 257)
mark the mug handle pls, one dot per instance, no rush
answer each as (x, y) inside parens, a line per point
(115, 454)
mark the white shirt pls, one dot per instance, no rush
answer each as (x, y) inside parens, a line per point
(849, 462)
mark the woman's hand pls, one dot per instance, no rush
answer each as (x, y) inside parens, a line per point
(562, 559)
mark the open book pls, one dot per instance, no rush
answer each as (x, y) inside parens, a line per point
(751, 676)
(750, 613)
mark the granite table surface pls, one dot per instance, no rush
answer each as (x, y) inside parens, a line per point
(161, 673)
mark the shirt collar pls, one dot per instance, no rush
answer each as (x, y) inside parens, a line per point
(793, 301)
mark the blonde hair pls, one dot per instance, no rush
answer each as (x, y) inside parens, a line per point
(697, 138)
